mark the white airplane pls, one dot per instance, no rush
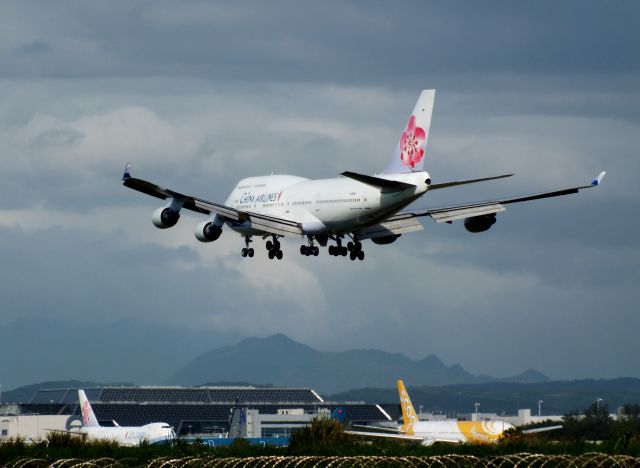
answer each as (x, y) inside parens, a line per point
(153, 433)
(355, 206)
(430, 432)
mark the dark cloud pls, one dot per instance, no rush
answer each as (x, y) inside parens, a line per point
(372, 43)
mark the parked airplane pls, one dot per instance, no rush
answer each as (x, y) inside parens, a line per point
(153, 433)
(355, 206)
(429, 432)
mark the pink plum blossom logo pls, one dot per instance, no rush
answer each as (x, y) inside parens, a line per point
(85, 412)
(411, 141)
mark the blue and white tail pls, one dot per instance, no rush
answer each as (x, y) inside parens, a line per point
(410, 151)
(88, 418)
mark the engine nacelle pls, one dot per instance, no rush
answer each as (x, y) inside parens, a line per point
(165, 217)
(206, 231)
(384, 240)
(480, 223)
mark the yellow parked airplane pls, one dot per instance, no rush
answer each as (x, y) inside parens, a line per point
(429, 432)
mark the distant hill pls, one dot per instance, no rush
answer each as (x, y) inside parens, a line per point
(558, 397)
(281, 361)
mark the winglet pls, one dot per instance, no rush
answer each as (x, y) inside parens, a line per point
(598, 180)
(127, 173)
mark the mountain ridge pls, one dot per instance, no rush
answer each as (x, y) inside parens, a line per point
(282, 361)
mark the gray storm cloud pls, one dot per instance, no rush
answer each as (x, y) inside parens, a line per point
(200, 94)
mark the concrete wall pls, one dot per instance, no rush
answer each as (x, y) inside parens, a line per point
(31, 427)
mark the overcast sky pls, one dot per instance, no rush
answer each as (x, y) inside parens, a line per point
(200, 94)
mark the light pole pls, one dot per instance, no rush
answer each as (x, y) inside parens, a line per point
(477, 405)
(598, 400)
(540, 407)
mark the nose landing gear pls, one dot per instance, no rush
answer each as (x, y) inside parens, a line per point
(247, 251)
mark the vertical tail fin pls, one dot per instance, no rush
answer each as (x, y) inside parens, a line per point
(88, 418)
(409, 153)
(339, 414)
(409, 416)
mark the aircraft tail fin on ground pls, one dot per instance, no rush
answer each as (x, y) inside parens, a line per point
(409, 415)
(410, 151)
(339, 414)
(88, 417)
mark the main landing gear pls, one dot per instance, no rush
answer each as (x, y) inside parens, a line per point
(274, 249)
(353, 249)
(247, 251)
(309, 249)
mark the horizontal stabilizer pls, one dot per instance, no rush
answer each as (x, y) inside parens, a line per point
(384, 184)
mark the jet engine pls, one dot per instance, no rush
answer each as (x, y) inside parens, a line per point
(165, 217)
(206, 231)
(384, 240)
(480, 223)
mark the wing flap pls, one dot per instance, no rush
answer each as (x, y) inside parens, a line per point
(448, 215)
(390, 227)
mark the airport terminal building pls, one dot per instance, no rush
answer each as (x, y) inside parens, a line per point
(197, 411)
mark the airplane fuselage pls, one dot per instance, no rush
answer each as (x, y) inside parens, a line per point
(479, 432)
(324, 206)
(155, 433)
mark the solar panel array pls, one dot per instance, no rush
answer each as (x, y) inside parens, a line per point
(208, 395)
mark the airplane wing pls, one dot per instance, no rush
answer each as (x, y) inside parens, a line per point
(269, 224)
(386, 435)
(541, 429)
(413, 438)
(379, 428)
(452, 213)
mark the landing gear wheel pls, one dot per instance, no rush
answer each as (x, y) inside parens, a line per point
(276, 245)
(353, 255)
(279, 254)
(332, 250)
(271, 254)
(350, 246)
(244, 251)
(269, 245)
(316, 251)
(250, 252)
(360, 255)
(303, 250)
(343, 251)
(357, 246)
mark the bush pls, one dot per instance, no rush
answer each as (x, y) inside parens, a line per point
(322, 432)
